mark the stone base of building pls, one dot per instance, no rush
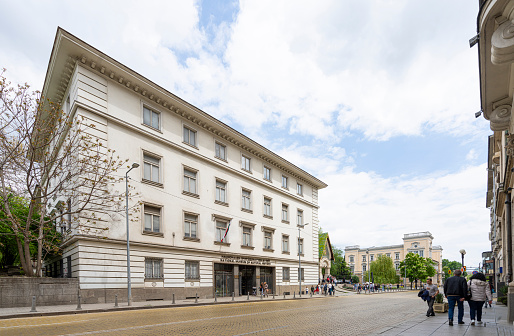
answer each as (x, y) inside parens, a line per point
(107, 295)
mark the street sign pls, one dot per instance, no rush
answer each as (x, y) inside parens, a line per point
(474, 272)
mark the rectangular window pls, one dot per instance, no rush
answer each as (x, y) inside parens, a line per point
(299, 218)
(245, 163)
(192, 270)
(267, 239)
(190, 181)
(364, 267)
(363, 258)
(189, 136)
(153, 268)
(285, 243)
(152, 219)
(421, 253)
(221, 228)
(285, 216)
(388, 255)
(247, 236)
(397, 266)
(397, 256)
(221, 191)
(300, 246)
(151, 168)
(299, 189)
(371, 257)
(352, 269)
(190, 225)
(351, 259)
(284, 181)
(220, 151)
(301, 271)
(245, 199)
(267, 173)
(286, 274)
(267, 206)
(151, 118)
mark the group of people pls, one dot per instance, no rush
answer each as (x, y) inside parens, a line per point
(373, 287)
(477, 291)
(263, 289)
(327, 288)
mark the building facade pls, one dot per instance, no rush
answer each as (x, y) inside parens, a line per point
(358, 259)
(495, 49)
(218, 213)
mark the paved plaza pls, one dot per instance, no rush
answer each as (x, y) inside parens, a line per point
(397, 313)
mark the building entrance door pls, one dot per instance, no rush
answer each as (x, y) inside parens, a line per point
(224, 279)
(247, 280)
(268, 277)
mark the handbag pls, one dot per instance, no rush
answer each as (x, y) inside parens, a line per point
(468, 294)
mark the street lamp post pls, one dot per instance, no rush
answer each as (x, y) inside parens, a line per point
(369, 273)
(129, 292)
(462, 253)
(299, 258)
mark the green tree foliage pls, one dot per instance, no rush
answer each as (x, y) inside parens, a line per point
(418, 268)
(449, 267)
(383, 270)
(9, 255)
(355, 279)
(338, 268)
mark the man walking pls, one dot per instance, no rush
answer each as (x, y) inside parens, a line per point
(455, 289)
(432, 292)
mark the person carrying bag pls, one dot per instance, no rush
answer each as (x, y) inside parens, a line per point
(480, 292)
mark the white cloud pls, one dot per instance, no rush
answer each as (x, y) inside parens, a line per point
(472, 155)
(369, 210)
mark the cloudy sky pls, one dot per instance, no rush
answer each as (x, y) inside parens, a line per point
(375, 97)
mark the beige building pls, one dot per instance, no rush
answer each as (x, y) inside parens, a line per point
(358, 259)
(219, 213)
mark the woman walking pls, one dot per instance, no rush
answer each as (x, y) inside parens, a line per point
(480, 292)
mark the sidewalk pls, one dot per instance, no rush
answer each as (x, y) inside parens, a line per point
(19, 312)
(495, 323)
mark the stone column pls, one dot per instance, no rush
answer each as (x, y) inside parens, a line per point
(510, 298)
(257, 277)
(236, 280)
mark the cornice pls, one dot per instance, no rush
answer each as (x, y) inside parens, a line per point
(102, 240)
(115, 72)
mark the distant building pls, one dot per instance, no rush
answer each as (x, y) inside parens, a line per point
(358, 259)
(325, 255)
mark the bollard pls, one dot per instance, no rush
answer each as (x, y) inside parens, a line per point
(294, 295)
(261, 295)
(173, 299)
(311, 293)
(215, 297)
(273, 295)
(79, 306)
(232, 296)
(248, 297)
(284, 295)
(196, 298)
(33, 309)
(116, 300)
(300, 293)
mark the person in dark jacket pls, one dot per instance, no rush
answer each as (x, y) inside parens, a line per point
(455, 289)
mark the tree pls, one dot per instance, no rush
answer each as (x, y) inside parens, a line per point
(338, 267)
(418, 268)
(383, 270)
(355, 279)
(449, 267)
(51, 158)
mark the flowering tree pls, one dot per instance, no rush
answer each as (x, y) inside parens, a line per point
(51, 158)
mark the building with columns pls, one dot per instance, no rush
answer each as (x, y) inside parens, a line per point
(495, 46)
(358, 259)
(219, 213)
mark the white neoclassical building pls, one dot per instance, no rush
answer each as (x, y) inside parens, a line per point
(197, 176)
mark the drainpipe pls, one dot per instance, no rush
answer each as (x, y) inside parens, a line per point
(508, 226)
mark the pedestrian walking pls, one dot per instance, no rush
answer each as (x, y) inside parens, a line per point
(455, 289)
(432, 292)
(480, 293)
